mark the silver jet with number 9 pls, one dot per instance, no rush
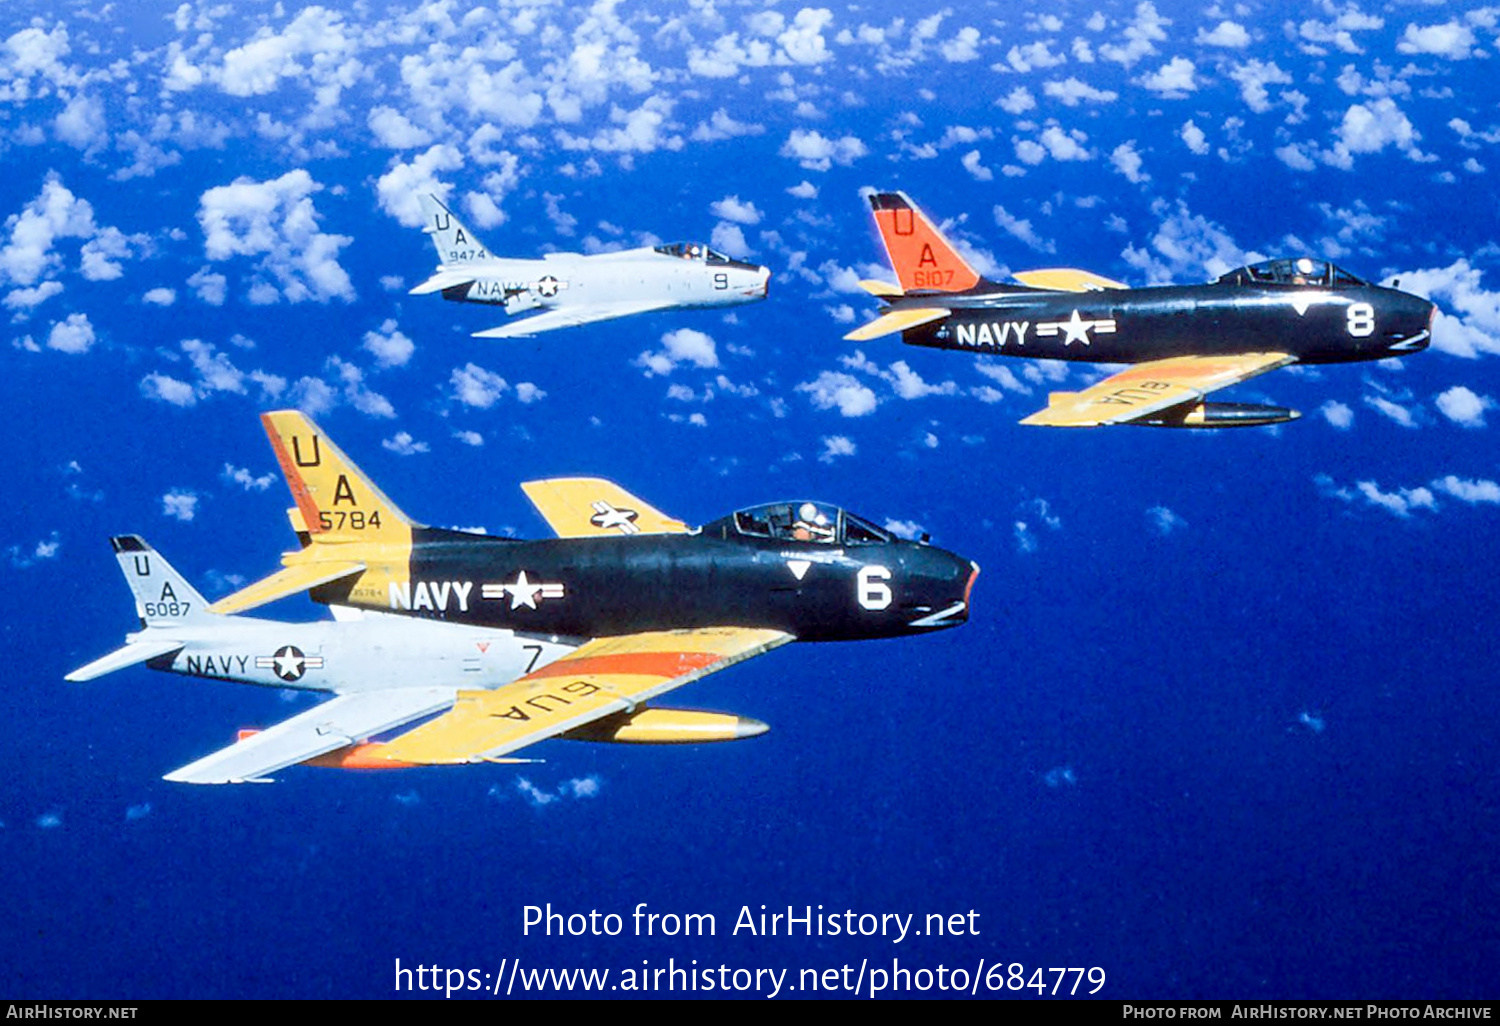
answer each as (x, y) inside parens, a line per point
(576, 288)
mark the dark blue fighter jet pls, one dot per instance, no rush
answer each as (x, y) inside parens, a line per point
(1184, 341)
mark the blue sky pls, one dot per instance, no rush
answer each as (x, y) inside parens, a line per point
(1222, 722)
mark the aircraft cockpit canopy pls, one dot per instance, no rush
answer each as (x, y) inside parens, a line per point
(802, 522)
(693, 251)
(1299, 271)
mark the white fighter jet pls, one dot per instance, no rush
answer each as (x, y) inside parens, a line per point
(384, 670)
(574, 288)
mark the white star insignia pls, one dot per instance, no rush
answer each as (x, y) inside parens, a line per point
(1076, 329)
(523, 592)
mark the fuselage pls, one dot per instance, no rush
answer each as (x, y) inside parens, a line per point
(1315, 324)
(374, 654)
(697, 277)
(816, 590)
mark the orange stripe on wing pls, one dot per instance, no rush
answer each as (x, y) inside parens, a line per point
(666, 665)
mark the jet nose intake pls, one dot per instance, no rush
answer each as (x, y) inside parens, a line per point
(953, 608)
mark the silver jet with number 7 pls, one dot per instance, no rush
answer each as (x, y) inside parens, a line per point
(577, 288)
(385, 671)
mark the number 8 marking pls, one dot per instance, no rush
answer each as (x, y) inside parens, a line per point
(1361, 319)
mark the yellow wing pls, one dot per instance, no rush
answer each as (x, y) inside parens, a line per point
(898, 320)
(577, 507)
(1068, 279)
(598, 679)
(1147, 388)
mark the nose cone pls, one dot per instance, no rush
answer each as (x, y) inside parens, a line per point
(1412, 328)
(764, 288)
(950, 581)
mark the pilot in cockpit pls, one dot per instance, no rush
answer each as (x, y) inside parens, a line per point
(811, 525)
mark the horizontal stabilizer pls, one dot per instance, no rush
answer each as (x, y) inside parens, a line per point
(882, 289)
(898, 320)
(1067, 279)
(439, 282)
(135, 652)
(282, 583)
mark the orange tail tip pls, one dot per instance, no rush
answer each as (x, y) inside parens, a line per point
(922, 258)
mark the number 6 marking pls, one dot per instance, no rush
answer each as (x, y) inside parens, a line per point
(873, 592)
(1361, 319)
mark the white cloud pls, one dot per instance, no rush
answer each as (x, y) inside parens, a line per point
(681, 346)
(404, 445)
(210, 287)
(815, 152)
(963, 47)
(276, 221)
(1339, 32)
(392, 129)
(168, 390)
(54, 214)
(1128, 162)
(313, 49)
(1475, 329)
(1227, 34)
(1172, 80)
(1071, 92)
(1253, 76)
(908, 529)
(1464, 407)
(1018, 101)
(729, 239)
(844, 392)
(81, 124)
(1187, 244)
(1194, 139)
(399, 187)
(972, 165)
(74, 335)
(721, 125)
(1370, 128)
(180, 505)
(160, 296)
(1141, 35)
(388, 345)
(477, 387)
(1394, 410)
(1337, 414)
(246, 480)
(835, 446)
(1451, 39)
(731, 208)
(1163, 520)
(1021, 229)
(1468, 491)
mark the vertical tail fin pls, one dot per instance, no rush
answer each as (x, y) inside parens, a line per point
(163, 597)
(338, 503)
(455, 243)
(922, 258)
